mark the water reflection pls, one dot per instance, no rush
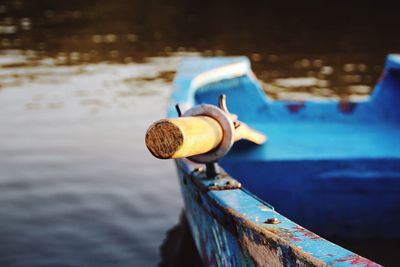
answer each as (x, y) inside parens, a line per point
(81, 80)
(79, 33)
(77, 185)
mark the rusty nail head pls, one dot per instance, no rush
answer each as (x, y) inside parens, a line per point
(272, 221)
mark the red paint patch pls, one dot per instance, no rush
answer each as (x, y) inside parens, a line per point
(299, 228)
(285, 235)
(293, 238)
(358, 260)
(347, 107)
(307, 233)
(295, 107)
(311, 235)
(289, 236)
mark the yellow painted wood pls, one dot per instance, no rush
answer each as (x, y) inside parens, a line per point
(183, 137)
(189, 136)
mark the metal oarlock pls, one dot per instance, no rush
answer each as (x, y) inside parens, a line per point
(203, 134)
(224, 119)
(228, 123)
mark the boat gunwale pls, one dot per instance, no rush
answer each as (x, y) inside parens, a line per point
(240, 224)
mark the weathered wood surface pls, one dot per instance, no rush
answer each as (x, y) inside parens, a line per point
(183, 137)
(188, 136)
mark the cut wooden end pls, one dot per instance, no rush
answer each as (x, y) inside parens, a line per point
(183, 137)
(163, 139)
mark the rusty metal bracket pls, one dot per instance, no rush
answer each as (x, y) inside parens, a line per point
(221, 181)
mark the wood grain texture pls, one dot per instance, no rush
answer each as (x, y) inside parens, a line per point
(183, 137)
(163, 139)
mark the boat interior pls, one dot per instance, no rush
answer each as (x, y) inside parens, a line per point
(327, 164)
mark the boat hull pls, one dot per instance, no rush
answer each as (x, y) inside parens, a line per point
(231, 228)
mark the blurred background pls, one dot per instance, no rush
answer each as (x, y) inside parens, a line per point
(80, 81)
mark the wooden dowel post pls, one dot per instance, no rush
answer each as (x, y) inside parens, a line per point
(183, 137)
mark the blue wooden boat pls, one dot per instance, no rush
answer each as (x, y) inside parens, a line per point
(332, 167)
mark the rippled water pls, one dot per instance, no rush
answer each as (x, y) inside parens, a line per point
(78, 187)
(81, 80)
